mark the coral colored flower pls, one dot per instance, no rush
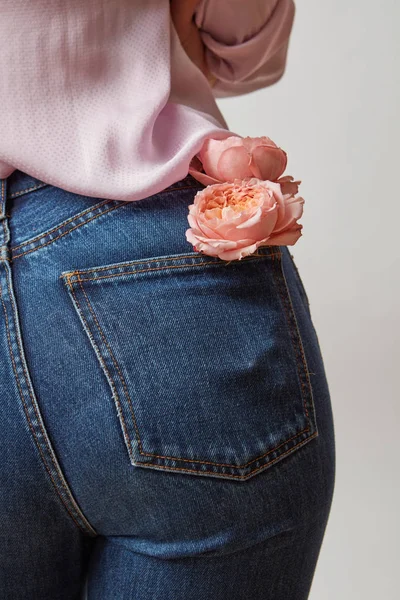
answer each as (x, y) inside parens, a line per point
(221, 161)
(288, 185)
(231, 220)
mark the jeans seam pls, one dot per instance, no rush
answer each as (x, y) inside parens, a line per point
(78, 273)
(84, 526)
(113, 387)
(300, 283)
(120, 204)
(114, 361)
(296, 345)
(64, 233)
(31, 189)
(151, 260)
(62, 224)
(230, 476)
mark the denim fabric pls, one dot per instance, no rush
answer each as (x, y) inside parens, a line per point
(166, 423)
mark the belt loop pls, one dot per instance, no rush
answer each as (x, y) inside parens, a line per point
(5, 252)
(3, 197)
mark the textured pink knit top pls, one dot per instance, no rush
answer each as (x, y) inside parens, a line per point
(98, 97)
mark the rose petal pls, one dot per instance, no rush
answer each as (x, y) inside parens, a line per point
(211, 151)
(196, 163)
(260, 225)
(234, 163)
(215, 242)
(288, 185)
(238, 253)
(235, 218)
(269, 163)
(202, 177)
(252, 142)
(293, 211)
(286, 238)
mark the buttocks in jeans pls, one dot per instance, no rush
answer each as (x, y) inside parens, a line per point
(166, 424)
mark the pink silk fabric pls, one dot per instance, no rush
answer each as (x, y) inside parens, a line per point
(99, 98)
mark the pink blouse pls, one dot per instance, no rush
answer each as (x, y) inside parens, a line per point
(99, 98)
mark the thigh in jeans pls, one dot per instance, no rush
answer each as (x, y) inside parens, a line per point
(184, 397)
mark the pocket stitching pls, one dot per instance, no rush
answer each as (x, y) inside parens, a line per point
(31, 189)
(289, 314)
(98, 353)
(299, 344)
(230, 475)
(79, 280)
(142, 452)
(200, 262)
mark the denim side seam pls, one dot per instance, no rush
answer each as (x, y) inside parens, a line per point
(295, 332)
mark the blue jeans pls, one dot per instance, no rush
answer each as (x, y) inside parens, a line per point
(166, 430)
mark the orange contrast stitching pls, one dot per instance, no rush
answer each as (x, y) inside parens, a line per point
(169, 258)
(42, 235)
(116, 366)
(294, 342)
(15, 194)
(230, 476)
(300, 345)
(131, 405)
(122, 203)
(66, 232)
(29, 420)
(126, 435)
(199, 264)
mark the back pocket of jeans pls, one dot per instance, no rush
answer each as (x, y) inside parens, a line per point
(203, 357)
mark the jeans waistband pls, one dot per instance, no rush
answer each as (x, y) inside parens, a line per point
(31, 213)
(14, 185)
(19, 183)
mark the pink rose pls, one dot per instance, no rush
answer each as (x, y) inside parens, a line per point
(231, 220)
(288, 185)
(238, 158)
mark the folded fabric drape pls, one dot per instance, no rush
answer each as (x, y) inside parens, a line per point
(99, 98)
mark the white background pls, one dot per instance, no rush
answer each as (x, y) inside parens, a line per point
(336, 113)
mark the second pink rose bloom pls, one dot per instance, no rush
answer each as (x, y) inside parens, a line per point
(238, 158)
